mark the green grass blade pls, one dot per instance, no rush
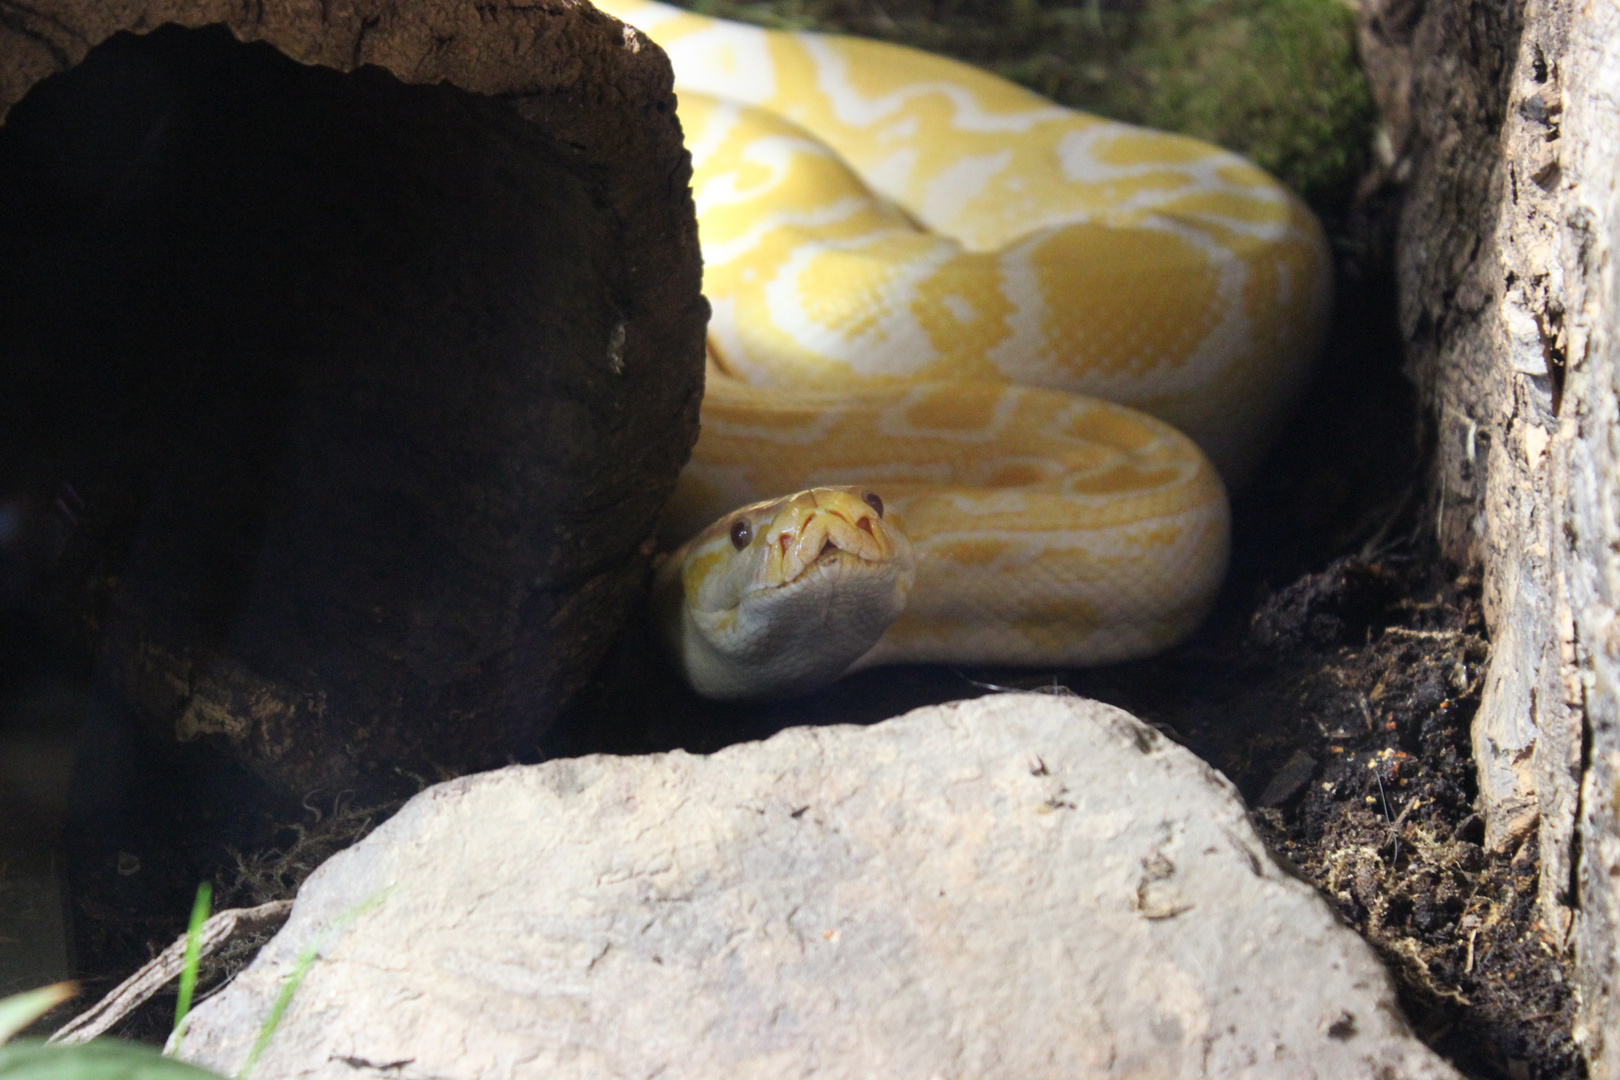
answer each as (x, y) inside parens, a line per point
(289, 985)
(188, 974)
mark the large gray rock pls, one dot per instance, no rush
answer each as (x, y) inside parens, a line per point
(1019, 886)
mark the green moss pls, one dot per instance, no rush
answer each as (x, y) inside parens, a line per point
(1276, 80)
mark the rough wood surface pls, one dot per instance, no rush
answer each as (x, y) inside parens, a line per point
(366, 391)
(1586, 524)
(1504, 123)
(1442, 73)
(165, 967)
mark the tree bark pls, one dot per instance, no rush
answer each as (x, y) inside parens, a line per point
(1503, 123)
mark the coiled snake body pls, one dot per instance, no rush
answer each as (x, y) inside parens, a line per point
(924, 279)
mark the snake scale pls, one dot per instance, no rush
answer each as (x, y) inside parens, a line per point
(1012, 348)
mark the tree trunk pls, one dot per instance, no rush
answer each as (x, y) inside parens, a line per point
(1503, 124)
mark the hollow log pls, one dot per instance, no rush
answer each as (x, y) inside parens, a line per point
(1502, 123)
(348, 351)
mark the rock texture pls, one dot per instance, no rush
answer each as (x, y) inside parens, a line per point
(356, 395)
(1504, 121)
(1018, 886)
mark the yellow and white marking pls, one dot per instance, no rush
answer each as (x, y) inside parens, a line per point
(898, 247)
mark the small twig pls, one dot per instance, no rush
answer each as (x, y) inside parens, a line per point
(1056, 687)
(163, 968)
(1407, 631)
(1372, 548)
(983, 685)
(1407, 809)
(1396, 858)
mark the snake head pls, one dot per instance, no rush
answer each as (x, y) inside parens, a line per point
(781, 597)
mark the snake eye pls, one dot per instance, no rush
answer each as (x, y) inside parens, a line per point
(741, 534)
(871, 499)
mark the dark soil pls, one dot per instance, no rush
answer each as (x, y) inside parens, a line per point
(1334, 684)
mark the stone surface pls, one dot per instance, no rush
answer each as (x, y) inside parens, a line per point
(358, 346)
(1504, 122)
(1019, 886)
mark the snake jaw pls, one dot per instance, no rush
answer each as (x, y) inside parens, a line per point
(817, 527)
(820, 578)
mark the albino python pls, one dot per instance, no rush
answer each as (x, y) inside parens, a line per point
(923, 280)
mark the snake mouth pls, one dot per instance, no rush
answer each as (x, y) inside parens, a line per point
(823, 528)
(796, 558)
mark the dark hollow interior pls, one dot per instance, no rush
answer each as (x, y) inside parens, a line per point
(292, 379)
(290, 384)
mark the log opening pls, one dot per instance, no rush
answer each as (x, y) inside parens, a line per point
(341, 406)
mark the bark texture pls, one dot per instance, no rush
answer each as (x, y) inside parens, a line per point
(1503, 122)
(363, 391)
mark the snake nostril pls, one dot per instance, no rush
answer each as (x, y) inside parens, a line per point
(865, 524)
(784, 539)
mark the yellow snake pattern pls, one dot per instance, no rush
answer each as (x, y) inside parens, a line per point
(923, 277)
